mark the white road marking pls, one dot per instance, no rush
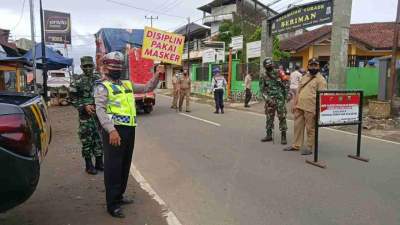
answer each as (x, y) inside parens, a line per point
(169, 215)
(164, 95)
(325, 128)
(200, 119)
(331, 129)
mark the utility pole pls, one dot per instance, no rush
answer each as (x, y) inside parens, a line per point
(32, 15)
(44, 63)
(188, 43)
(393, 75)
(151, 18)
(339, 43)
(266, 43)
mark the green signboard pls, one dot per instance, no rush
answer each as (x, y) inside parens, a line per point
(302, 16)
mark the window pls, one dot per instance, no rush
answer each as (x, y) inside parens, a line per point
(57, 74)
(8, 81)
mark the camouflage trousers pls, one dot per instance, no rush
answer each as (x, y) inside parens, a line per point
(90, 138)
(278, 106)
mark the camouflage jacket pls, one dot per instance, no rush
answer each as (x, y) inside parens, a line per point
(82, 89)
(272, 88)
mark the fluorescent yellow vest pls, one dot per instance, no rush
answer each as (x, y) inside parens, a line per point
(121, 103)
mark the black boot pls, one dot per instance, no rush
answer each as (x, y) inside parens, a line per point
(89, 167)
(99, 163)
(283, 138)
(267, 138)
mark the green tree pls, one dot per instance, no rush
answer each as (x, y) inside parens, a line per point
(227, 30)
(277, 53)
(256, 36)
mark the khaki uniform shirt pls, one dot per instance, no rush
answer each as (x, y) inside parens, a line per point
(184, 82)
(175, 82)
(307, 94)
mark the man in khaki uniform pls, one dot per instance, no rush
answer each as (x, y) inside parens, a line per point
(175, 91)
(184, 86)
(304, 107)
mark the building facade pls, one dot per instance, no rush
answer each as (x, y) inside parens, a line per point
(248, 13)
(366, 42)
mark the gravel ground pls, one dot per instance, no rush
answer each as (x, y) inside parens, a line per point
(66, 195)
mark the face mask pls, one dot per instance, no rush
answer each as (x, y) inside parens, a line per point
(115, 75)
(269, 69)
(87, 70)
(313, 71)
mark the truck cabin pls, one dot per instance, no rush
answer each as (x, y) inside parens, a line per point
(13, 77)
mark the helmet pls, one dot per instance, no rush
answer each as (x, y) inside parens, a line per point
(87, 61)
(216, 70)
(113, 61)
(268, 62)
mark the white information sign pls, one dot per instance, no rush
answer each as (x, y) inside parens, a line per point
(209, 56)
(237, 42)
(220, 55)
(338, 108)
(253, 49)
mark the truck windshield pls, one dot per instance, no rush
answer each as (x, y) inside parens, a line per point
(8, 81)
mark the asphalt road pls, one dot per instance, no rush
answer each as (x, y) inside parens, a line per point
(219, 173)
(66, 195)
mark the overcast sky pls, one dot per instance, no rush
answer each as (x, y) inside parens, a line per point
(88, 16)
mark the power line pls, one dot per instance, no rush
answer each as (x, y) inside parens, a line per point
(151, 18)
(292, 4)
(161, 6)
(143, 9)
(173, 5)
(21, 15)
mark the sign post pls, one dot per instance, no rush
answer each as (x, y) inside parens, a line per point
(162, 46)
(302, 16)
(338, 108)
(237, 42)
(57, 27)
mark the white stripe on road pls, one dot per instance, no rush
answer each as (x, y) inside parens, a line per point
(326, 128)
(170, 216)
(331, 129)
(200, 119)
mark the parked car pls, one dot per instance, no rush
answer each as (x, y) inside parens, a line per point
(25, 135)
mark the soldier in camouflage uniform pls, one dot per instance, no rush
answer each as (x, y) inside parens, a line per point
(83, 100)
(274, 91)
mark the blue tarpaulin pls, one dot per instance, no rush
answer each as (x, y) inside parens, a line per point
(115, 39)
(54, 60)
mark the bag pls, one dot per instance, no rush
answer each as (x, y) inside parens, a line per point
(301, 88)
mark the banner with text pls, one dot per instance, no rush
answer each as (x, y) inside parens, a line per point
(302, 16)
(57, 27)
(339, 108)
(162, 46)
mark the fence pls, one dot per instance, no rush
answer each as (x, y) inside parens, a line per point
(366, 79)
(238, 86)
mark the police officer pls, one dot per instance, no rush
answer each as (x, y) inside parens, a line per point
(304, 107)
(82, 99)
(274, 91)
(116, 111)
